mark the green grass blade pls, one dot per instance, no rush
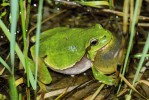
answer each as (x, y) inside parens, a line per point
(12, 88)
(139, 55)
(23, 26)
(37, 38)
(14, 13)
(28, 13)
(23, 20)
(96, 4)
(5, 64)
(111, 4)
(20, 96)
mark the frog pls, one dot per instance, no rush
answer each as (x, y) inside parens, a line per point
(74, 50)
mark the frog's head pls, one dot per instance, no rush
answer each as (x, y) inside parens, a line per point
(107, 59)
(99, 41)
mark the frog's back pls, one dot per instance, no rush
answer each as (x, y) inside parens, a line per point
(57, 38)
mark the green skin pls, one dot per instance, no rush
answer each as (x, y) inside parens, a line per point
(61, 48)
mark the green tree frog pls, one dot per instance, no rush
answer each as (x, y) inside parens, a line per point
(74, 50)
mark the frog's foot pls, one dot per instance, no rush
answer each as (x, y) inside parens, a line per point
(80, 67)
(102, 78)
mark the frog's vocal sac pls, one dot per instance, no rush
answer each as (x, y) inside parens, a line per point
(80, 67)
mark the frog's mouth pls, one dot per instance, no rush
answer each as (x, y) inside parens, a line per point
(80, 67)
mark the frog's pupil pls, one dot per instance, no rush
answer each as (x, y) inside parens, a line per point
(94, 42)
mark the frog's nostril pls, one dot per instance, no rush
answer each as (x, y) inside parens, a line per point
(105, 36)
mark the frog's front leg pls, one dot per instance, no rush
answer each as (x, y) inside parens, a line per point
(101, 77)
(43, 73)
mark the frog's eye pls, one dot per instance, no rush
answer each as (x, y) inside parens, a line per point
(93, 42)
